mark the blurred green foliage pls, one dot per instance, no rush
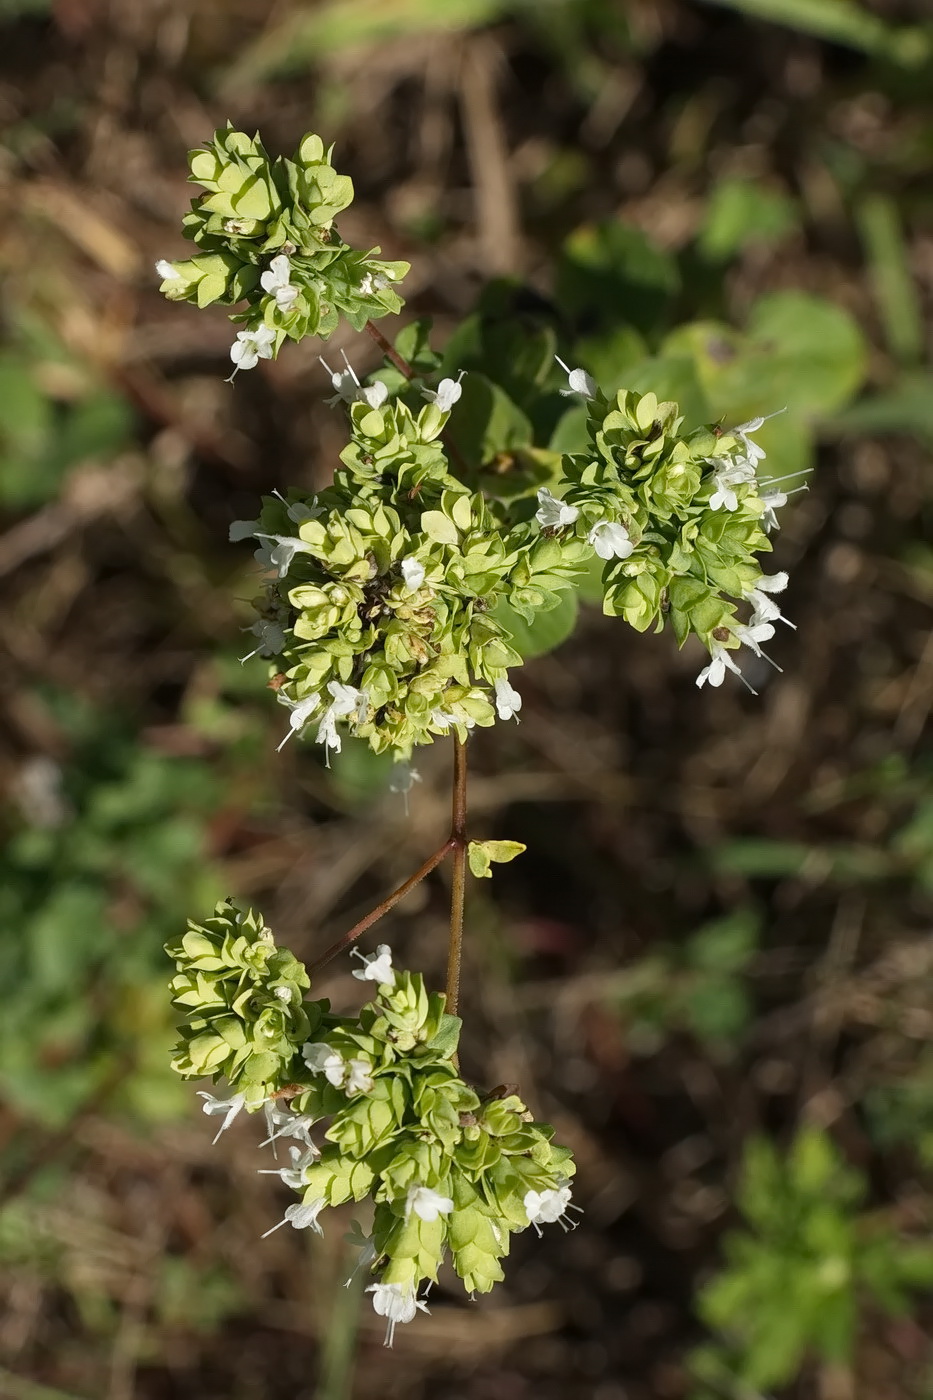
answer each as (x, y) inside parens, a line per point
(798, 1274)
(698, 987)
(44, 433)
(104, 856)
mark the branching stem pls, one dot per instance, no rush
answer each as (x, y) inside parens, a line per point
(457, 843)
(388, 903)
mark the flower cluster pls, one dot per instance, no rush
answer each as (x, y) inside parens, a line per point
(382, 615)
(265, 234)
(449, 1171)
(392, 608)
(242, 1000)
(678, 520)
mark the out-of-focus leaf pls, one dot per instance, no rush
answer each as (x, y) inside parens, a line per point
(907, 407)
(486, 421)
(840, 22)
(311, 35)
(547, 631)
(673, 377)
(742, 213)
(882, 233)
(610, 273)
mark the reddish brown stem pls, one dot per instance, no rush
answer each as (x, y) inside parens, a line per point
(458, 840)
(388, 903)
(389, 350)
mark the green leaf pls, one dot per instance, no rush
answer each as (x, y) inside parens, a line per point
(546, 632)
(741, 213)
(842, 22)
(608, 268)
(907, 407)
(812, 354)
(483, 854)
(486, 422)
(896, 293)
(437, 526)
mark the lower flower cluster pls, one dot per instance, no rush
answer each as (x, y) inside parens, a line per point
(450, 1172)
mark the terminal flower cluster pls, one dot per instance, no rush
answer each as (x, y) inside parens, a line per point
(450, 1172)
(266, 237)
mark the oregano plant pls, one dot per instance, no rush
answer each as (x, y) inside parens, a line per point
(393, 610)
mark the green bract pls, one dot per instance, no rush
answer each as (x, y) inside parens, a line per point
(256, 212)
(448, 1169)
(390, 613)
(241, 997)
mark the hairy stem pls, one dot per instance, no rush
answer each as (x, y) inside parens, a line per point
(388, 903)
(458, 841)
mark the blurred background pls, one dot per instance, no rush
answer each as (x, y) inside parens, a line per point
(713, 969)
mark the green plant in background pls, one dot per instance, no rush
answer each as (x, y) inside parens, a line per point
(796, 1276)
(697, 987)
(399, 600)
(104, 852)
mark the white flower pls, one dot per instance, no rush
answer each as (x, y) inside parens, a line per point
(374, 282)
(377, 967)
(321, 1059)
(766, 610)
(374, 394)
(347, 700)
(252, 346)
(549, 1206)
(168, 271)
(730, 472)
(276, 281)
(720, 661)
(228, 1107)
(242, 530)
(443, 719)
(772, 502)
(301, 713)
(403, 778)
(359, 1078)
(754, 635)
(301, 1216)
(300, 511)
(271, 639)
(427, 1204)
(366, 1247)
(753, 453)
(508, 700)
(579, 382)
(344, 382)
(611, 541)
(446, 394)
(413, 574)
(552, 513)
(396, 1302)
(282, 553)
(281, 1122)
(294, 1176)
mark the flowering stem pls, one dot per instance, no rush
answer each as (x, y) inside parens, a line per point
(458, 840)
(388, 903)
(389, 350)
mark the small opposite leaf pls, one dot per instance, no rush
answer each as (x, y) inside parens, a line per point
(481, 855)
